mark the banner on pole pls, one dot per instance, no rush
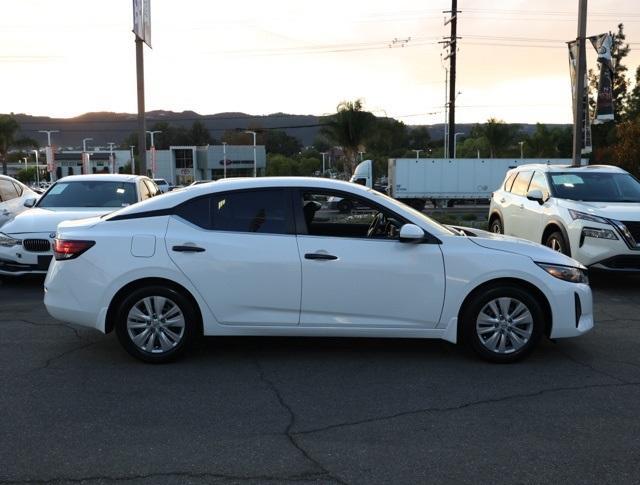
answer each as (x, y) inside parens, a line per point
(142, 20)
(51, 164)
(153, 161)
(586, 126)
(603, 44)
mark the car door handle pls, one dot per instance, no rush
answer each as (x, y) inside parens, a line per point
(188, 249)
(503, 200)
(320, 256)
(521, 206)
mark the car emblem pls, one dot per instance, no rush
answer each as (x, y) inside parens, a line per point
(52, 235)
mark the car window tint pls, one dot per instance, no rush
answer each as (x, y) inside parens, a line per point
(7, 190)
(90, 193)
(521, 183)
(539, 182)
(196, 211)
(333, 214)
(265, 211)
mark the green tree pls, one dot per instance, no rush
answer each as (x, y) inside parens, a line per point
(498, 135)
(199, 134)
(387, 137)
(633, 100)
(419, 138)
(8, 129)
(277, 141)
(625, 152)
(348, 128)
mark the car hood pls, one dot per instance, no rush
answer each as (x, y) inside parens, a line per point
(537, 252)
(47, 220)
(621, 211)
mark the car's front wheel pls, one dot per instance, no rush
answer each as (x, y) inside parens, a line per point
(502, 324)
(156, 324)
(496, 226)
(556, 241)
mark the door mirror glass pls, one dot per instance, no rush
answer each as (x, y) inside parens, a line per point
(535, 194)
(29, 202)
(411, 233)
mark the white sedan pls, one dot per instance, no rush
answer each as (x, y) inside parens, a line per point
(25, 242)
(13, 195)
(268, 256)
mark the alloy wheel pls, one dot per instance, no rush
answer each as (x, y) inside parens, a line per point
(504, 325)
(155, 324)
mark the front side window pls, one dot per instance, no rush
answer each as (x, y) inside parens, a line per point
(539, 182)
(7, 191)
(332, 214)
(521, 183)
(261, 211)
(595, 186)
(89, 193)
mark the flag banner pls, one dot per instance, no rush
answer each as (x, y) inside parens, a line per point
(142, 20)
(603, 44)
(51, 164)
(586, 126)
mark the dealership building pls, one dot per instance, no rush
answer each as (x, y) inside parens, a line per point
(179, 165)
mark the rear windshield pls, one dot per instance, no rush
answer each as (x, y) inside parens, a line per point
(89, 193)
(595, 186)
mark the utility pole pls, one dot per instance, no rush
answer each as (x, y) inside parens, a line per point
(581, 68)
(142, 137)
(452, 43)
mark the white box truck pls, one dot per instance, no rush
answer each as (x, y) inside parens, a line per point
(444, 182)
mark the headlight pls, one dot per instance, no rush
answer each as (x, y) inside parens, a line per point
(566, 273)
(598, 233)
(587, 217)
(8, 241)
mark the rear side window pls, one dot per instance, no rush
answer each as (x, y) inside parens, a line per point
(262, 211)
(7, 190)
(521, 183)
(144, 191)
(19, 188)
(153, 188)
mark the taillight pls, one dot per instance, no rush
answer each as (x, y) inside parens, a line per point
(68, 249)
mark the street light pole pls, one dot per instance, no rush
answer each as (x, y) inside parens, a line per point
(255, 162)
(111, 157)
(417, 153)
(133, 161)
(85, 154)
(361, 155)
(26, 168)
(37, 168)
(224, 158)
(521, 143)
(455, 143)
(323, 166)
(153, 152)
(50, 164)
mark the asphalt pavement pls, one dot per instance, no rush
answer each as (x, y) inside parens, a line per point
(74, 408)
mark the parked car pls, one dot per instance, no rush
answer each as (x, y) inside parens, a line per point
(163, 185)
(591, 213)
(266, 257)
(25, 242)
(13, 195)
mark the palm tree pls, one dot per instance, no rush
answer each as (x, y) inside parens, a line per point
(348, 129)
(8, 129)
(498, 135)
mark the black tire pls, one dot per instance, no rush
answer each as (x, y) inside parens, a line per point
(557, 242)
(495, 226)
(345, 206)
(451, 203)
(155, 355)
(417, 204)
(480, 344)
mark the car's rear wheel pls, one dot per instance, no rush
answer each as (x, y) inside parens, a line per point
(496, 226)
(502, 324)
(156, 324)
(556, 241)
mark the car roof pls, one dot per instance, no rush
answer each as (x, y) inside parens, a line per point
(569, 168)
(171, 199)
(103, 177)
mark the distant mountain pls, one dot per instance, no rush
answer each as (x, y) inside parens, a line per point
(106, 127)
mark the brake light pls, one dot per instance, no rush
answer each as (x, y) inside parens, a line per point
(69, 249)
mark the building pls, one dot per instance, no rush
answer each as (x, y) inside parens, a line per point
(181, 165)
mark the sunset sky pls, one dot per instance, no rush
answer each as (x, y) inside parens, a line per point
(68, 57)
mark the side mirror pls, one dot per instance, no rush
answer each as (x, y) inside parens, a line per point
(411, 233)
(535, 194)
(29, 202)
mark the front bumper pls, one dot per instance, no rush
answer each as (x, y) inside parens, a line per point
(19, 261)
(572, 309)
(603, 254)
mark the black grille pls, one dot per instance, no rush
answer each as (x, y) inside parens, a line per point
(634, 229)
(36, 245)
(629, 263)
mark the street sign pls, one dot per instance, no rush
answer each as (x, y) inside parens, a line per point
(142, 20)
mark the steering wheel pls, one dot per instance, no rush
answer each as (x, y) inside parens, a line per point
(378, 225)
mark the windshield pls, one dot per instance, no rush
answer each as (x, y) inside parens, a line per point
(89, 193)
(595, 186)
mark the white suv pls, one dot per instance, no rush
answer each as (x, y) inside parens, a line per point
(591, 213)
